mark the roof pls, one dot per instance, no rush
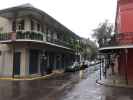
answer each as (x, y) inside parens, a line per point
(35, 12)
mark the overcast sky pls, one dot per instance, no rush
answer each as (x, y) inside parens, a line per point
(80, 16)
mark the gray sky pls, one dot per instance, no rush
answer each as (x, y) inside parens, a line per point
(80, 16)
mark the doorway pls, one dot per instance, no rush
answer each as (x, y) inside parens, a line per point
(16, 63)
(33, 65)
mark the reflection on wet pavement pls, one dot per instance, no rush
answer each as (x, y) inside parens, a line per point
(69, 86)
(87, 89)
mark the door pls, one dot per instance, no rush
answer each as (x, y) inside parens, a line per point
(16, 63)
(33, 65)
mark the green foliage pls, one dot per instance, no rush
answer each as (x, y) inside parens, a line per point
(29, 35)
(89, 49)
(103, 32)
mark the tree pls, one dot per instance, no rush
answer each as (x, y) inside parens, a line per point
(89, 49)
(103, 33)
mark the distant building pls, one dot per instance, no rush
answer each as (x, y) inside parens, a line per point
(32, 42)
(119, 51)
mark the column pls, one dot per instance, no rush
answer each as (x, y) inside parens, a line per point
(43, 27)
(27, 23)
(24, 65)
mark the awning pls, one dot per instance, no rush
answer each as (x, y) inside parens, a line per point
(115, 47)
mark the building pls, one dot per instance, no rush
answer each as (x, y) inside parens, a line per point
(118, 53)
(33, 43)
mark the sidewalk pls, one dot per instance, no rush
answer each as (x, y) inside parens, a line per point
(115, 82)
(33, 77)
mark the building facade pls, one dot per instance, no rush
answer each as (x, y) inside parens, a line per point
(118, 53)
(33, 43)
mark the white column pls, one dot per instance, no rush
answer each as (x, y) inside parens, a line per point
(24, 64)
(27, 26)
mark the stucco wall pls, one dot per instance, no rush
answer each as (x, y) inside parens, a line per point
(24, 65)
(5, 25)
(126, 66)
(125, 17)
(6, 60)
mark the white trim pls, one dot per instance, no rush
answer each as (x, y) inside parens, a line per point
(116, 47)
(27, 40)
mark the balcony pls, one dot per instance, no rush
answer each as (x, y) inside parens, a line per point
(28, 35)
(60, 42)
(21, 35)
(121, 39)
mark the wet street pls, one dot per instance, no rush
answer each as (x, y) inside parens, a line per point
(69, 86)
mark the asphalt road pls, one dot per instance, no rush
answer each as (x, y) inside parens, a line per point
(69, 86)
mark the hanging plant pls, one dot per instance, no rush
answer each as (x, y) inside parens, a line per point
(19, 35)
(27, 34)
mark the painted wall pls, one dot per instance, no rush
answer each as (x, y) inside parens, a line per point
(124, 22)
(6, 60)
(125, 16)
(126, 67)
(130, 64)
(5, 25)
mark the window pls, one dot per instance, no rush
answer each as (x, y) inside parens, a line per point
(38, 27)
(20, 25)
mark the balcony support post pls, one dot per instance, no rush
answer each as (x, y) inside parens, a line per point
(100, 67)
(126, 76)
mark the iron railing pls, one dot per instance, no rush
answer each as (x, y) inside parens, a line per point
(33, 36)
(118, 40)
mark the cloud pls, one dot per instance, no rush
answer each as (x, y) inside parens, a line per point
(81, 16)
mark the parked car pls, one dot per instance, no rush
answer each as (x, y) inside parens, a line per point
(74, 67)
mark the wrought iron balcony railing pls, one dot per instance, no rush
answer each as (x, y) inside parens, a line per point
(118, 40)
(28, 35)
(60, 42)
(21, 35)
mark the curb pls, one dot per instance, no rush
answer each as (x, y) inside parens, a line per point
(113, 85)
(26, 79)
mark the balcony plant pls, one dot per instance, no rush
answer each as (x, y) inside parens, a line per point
(27, 34)
(19, 35)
